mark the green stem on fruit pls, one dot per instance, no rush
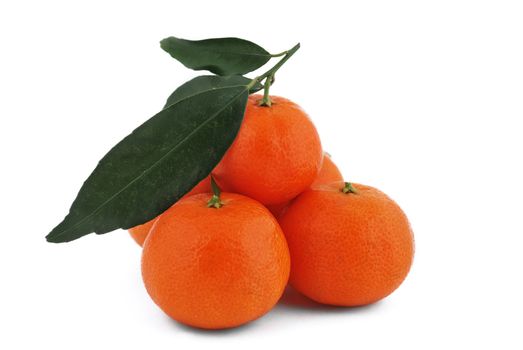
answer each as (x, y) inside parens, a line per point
(266, 100)
(269, 75)
(215, 201)
(348, 188)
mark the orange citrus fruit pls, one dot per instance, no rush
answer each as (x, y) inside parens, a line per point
(329, 172)
(350, 245)
(140, 232)
(276, 154)
(215, 267)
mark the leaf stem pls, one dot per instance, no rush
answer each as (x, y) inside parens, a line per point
(269, 75)
(215, 201)
(280, 62)
(279, 54)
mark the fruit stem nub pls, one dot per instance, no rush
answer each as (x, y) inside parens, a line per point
(348, 188)
(215, 201)
(266, 100)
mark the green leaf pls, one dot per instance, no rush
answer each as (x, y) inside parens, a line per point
(154, 166)
(209, 83)
(222, 56)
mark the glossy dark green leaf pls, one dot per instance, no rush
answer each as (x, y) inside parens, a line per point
(209, 83)
(222, 56)
(156, 164)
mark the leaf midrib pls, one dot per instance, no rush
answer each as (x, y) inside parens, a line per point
(229, 52)
(155, 163)
(202, 92)
(239, 53)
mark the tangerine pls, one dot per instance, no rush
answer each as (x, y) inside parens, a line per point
(329, 172)
(350, 244)
(276, 154)
(213, 267)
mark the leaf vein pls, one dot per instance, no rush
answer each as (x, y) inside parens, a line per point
(59, 234)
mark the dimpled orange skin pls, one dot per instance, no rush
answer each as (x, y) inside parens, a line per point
(140, 232)
(329, 172)
(276, 155)
(216, 268)
(347, 249)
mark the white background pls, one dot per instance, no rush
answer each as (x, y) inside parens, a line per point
(422, 99)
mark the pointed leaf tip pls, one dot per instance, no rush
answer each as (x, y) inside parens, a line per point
(159, 162)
